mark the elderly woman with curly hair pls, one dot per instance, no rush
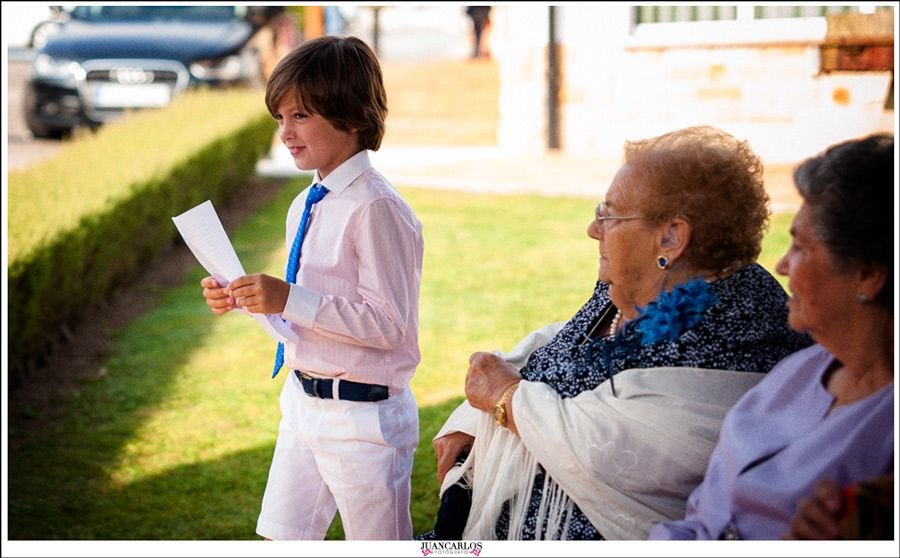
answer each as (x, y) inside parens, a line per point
(601, 427)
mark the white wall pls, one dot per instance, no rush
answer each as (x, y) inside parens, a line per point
(758, 80)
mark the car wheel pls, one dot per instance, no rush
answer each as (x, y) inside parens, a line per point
(38, 127)
(40, 130)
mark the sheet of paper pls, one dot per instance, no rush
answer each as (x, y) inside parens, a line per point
(202, 231)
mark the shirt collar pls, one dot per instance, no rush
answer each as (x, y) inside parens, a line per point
(348, 171)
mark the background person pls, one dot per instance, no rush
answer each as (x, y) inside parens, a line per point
(481, 23)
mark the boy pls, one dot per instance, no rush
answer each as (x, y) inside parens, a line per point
(349, 422)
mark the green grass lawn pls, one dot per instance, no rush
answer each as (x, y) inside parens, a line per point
(173, 441)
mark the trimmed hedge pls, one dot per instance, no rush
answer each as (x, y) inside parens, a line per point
(83, 223)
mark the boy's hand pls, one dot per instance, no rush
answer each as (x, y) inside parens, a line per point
(216, 297)
(260, 293)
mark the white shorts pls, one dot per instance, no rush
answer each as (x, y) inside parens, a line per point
(351, 456)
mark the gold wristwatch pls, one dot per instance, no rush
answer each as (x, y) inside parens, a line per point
(500, 414)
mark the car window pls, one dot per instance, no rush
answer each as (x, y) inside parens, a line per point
(157, 13)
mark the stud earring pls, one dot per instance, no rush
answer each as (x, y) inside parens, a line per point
(862, 298)
(662, 262)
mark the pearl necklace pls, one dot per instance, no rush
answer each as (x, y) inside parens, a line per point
(614, 326)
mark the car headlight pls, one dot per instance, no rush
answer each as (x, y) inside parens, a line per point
(229, 68)
(59, 69)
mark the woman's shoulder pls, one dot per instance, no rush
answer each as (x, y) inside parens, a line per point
(814, 357)
(753, 275)
(754, 288)
(752, 311)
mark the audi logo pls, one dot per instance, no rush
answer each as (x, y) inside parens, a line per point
(131, 76)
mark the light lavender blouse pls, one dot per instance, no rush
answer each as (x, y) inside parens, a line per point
(776, 443)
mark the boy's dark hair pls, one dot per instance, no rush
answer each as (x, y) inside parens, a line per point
(338, 78)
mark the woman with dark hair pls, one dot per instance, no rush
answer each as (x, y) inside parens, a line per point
(825, 412)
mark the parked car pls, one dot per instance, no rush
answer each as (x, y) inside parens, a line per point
(55, 17)
(104, 60)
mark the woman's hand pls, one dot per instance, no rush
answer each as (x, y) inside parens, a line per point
(447, 449)
(487, 379)
(818, 517)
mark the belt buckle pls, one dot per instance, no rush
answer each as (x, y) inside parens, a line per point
(304, 378)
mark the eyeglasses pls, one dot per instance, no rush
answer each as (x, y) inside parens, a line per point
(602, 216)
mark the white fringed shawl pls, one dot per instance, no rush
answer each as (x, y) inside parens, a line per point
(628, 461)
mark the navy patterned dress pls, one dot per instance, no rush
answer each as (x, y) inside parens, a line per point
(745, 330)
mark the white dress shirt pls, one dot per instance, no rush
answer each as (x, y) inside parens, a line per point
(356, 302)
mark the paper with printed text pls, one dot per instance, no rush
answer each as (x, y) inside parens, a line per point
(202, 231)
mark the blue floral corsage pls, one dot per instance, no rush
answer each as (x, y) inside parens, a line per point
(675, 311)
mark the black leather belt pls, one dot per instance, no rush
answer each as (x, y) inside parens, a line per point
(347, 390)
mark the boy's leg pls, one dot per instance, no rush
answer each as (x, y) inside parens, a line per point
(369, 470)
(297, 504)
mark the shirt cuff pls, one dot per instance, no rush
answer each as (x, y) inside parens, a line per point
(302, 306)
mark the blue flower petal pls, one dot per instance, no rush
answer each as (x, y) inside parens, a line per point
(675, 311)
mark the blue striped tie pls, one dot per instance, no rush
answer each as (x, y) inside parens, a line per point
(316, 193)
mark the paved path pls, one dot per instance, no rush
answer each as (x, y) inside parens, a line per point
(487, 169)
(490, 169)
